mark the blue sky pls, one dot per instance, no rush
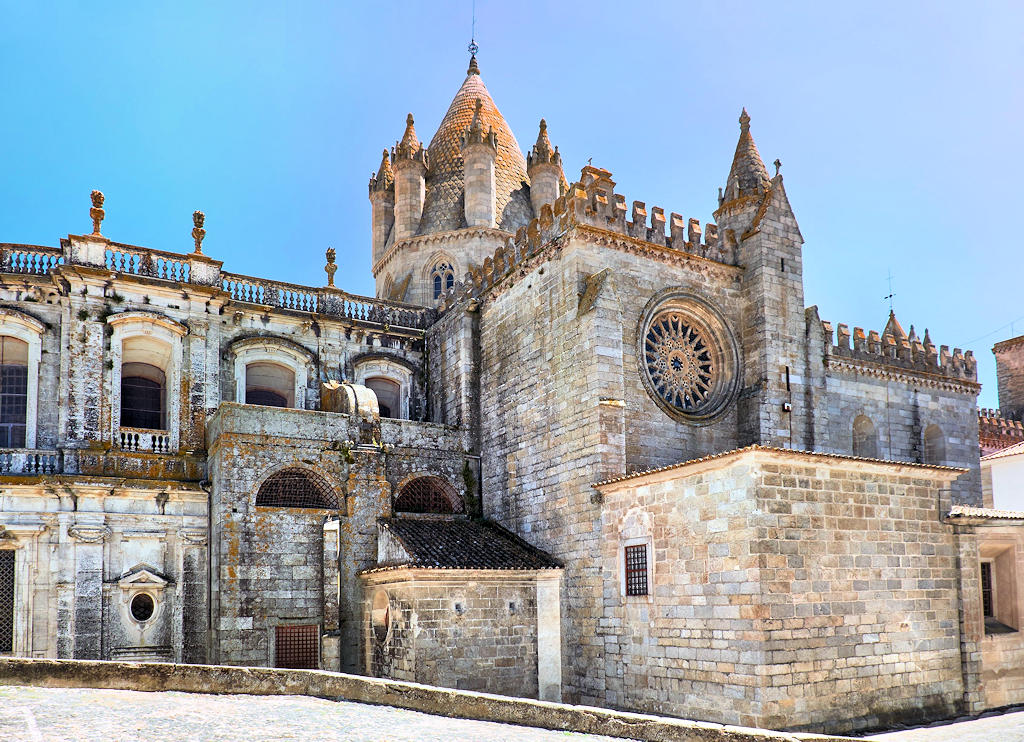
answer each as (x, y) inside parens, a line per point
(896, 124)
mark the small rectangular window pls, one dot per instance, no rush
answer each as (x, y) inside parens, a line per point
(6, 600)
(636, 570)
(297, 647)
(987, 603)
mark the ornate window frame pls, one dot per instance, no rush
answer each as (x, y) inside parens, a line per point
(29, 330)
(270, 349)
(388, 367)
(438, 261)
(714, 339)
(126, 325)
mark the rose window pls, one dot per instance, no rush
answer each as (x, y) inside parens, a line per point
(679, 362)
(688, 359)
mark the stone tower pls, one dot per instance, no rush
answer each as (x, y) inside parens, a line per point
(754, 218)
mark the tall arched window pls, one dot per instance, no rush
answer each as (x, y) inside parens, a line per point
(934, 445)
(428, 495)
(269, 384)
(389, 395)
(13, 392)
(443, 277)
(865, 440)
(297, 488)
(142, 396)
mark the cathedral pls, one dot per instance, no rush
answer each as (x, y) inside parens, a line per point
(573, 449)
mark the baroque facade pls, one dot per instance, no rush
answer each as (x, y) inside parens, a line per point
(573, 450)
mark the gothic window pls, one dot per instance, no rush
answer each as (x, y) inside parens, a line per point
(636, 569)
(428, 495)
(6, 600)
(297, 488)
(934, 445)
(389, 396)
(269, 384)
(865, 440)
(297, 647)
(443, 277)
(13, 392)
(688, 358)
(142, 396)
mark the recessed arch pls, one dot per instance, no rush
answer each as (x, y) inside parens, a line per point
(21, 342)
(272, 371)
(428, 494)
(934, 445)
(865, 438)
(297, 487)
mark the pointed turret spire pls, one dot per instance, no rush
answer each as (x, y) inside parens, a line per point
(893, 328)
(544, 166)
(542, 151)
(384, 178)
(410, 144)
(748, 176)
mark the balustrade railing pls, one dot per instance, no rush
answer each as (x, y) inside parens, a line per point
(34, 259)
(138, 440)
(145, 262)
(30, 461)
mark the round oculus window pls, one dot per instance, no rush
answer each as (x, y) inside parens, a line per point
(688, 358)
(142, 607)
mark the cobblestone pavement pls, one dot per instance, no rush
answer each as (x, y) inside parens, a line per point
(29, 714)
(996, 728)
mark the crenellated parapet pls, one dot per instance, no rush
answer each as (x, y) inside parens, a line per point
(996, 432)
(894, 351)
(592, 202)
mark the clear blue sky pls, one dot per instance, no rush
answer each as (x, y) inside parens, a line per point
(897, 124)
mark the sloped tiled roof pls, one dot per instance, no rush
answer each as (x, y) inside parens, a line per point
(458, 543)
(445, 196)
(1013, 450)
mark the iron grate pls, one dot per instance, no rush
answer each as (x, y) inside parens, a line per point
(297, 488)
(428, 495)
(636, 570)
(6, 600)
(297, 647)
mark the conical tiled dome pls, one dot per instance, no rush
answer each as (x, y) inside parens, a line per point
(444, 207)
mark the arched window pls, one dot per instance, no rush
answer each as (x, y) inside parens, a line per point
(269, 384)
(142, 396)
(389, 395)
(297, 488)
(428, 495)
(865, 441)
(934, 445)
(13, 392)
(443, 277)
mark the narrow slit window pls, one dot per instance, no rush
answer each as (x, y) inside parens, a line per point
(636, 570)
(6, 600)
(987, 602)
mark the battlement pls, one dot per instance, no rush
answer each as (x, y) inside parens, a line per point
(592, 202)
(899, 350)
(996, 432)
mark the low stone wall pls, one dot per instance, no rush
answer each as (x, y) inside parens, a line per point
(152, 676)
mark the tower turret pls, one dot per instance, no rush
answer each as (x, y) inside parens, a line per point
(410, 169)
(544, 166)
(754, 218)
(382, 198)
(479, 152)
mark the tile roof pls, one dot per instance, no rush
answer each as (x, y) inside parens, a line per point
(459, 543)
(967, 511)
(1013, 450)
(445, 191)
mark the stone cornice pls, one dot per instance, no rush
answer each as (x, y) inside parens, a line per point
(434, 238)
(1007, 344)
(902, 375)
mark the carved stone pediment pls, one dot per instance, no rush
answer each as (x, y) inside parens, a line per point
(142, 575)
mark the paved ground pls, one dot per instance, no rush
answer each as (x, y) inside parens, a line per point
(996, 728)
(71, 714)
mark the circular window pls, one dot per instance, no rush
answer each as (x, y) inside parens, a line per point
(380, 615)
(688, 358)
(142, 607)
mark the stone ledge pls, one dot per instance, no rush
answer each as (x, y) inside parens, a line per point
(159, 676)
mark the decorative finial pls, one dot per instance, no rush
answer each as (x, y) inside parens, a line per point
(408, 120)
(777, 164)
(474, 69)
(744, 121)
(96, 212)
(198, 233)
(330, 267)
(543, 126)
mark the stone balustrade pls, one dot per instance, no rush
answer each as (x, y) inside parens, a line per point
(139, 440)
(31, 461)
(33, 259)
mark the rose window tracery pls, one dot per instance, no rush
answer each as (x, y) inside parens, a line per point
(679, 361)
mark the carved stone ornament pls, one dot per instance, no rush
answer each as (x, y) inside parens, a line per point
(89, 534)
(96, 212)
(198, 233)
(330, 267)
(689, 361)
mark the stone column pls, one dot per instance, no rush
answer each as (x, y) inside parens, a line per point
(88, 590)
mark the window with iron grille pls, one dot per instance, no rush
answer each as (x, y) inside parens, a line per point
(297, 647)
(297, 488)
(428, 495)
(142, 396)
(6, 600)
(13, 392)
(987, 602)
(636, 570)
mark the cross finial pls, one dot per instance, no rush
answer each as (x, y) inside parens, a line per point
(777, 164)
(891, 294)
